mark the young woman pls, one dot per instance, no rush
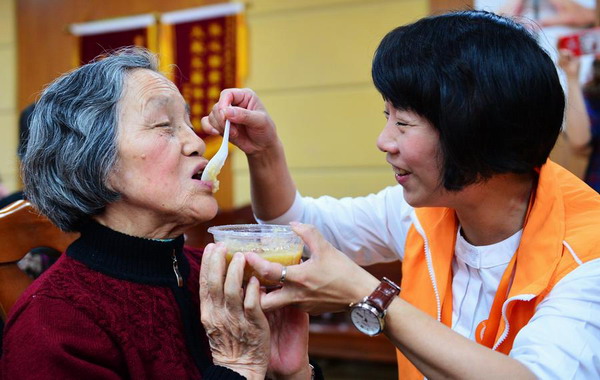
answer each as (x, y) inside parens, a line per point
(499, 245)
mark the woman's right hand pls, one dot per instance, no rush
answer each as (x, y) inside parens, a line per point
(251, 130)
(237, 328)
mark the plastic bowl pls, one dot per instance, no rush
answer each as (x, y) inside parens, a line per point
(276, 243)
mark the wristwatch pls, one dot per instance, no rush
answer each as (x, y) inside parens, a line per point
(368, 315)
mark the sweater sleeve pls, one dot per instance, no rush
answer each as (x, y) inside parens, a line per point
(216, 372)
(48, 338)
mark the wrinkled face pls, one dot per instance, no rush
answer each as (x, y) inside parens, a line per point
(159, 158)
(412, 145)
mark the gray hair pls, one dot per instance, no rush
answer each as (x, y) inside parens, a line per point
(72, 147)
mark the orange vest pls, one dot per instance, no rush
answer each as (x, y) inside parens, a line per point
(560, 234)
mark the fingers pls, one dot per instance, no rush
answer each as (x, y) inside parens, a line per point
(569, 63)
(313, 239)
(272, 272)
(564, 57)
(236, 97)
(212, 271)
(565, 52)
(252, 304)
(227, 98)
(268, 270)
(275, 300)
(245, 117)
(232, 289)
(214, 123)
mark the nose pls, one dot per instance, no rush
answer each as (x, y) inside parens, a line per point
(386, 141)
(192, 144)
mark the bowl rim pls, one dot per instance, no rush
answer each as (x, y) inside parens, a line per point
(283, 230)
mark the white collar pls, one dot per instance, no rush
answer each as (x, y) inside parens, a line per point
(486, 256)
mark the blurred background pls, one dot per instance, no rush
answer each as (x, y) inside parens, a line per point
(309, 60)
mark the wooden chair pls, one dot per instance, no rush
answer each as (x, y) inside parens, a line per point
(23, 229)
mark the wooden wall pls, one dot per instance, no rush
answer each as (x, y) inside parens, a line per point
(46, 49)
(441, 6)
(317, 83)
(8, 106)
(42, 32)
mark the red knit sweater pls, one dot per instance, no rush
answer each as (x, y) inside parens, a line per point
(111, 308)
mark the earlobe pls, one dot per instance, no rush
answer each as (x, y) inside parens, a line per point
(110, 181)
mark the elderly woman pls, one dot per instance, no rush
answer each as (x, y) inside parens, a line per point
(112, 154)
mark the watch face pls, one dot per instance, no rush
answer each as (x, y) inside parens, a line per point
(366, 320)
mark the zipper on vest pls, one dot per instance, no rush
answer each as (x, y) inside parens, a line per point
(176, 270)
(520, 297)
(429, 260)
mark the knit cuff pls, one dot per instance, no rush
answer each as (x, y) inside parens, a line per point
(217, 372)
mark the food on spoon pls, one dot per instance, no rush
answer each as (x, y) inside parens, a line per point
(213, 168)
(211, 175)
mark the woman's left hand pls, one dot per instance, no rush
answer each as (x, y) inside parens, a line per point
(237, 328)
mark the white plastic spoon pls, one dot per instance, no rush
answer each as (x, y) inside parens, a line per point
(213, 168)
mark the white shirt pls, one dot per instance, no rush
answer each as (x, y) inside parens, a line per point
(477, 274)
(562, 340)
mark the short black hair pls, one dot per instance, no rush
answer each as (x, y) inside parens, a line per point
(484, 83)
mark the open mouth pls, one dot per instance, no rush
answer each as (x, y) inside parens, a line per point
(401, 172)
(197, 175)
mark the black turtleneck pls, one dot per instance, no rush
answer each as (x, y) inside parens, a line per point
(130, 258)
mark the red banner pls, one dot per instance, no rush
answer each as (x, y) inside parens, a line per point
(99, 37)
(205, 52)
(203, 47)
(92, 46)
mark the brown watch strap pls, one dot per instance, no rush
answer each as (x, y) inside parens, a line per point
(383, 295)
